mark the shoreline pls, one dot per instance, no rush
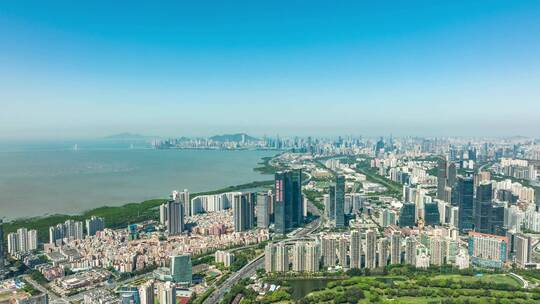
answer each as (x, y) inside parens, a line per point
(115, 216)
(122, 215)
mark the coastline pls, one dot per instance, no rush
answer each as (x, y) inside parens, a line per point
(115, 216)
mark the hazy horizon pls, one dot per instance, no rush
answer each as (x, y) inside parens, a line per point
(72, 70)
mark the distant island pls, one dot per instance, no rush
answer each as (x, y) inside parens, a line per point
(129, 136)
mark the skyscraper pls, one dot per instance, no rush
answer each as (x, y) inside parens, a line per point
(383, 252)
(465, 192)
(407, 215)
(270, 258)
(496, 219)
(332, 202)
(340, 201)
(264, 200)
(94, 224)
(355, 249)
(163, 214)
(175, 217)
(343, 245)
(243, 210)
(282, 258)
(22, 234)
(73, 230)
(299, 257)
(522, 250)
(371, 248)
(482, 207)
(452, 175)
(166, 293)
(536, 188)
(181, 269)
(438, 249)
(441, 177)
(288, 200)
(329, 244)
(410, 251)
(146, 293)
(432, 216)
(395, 248)
(313, 257)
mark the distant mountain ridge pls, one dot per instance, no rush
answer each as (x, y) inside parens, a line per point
(127, 135)
(239, 137)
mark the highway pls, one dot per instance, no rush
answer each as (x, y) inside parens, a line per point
(251, 268)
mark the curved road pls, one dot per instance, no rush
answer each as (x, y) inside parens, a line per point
(251, 268)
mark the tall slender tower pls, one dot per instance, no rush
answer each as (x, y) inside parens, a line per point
(383, 252)
(175, 217)
(356, 249)
(340, 201)
(483, 207)
(146, 293)
(371, 248)
(243, 210)
(465, 192)
(410, 251)
(395, 248)
(441, 177)
(288, 200)
(342, 252)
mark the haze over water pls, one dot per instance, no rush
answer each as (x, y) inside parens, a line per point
(46, 178)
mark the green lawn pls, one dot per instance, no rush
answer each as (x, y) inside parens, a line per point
(426, 288)
(487, 278)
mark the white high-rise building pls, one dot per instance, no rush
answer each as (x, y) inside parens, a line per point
(355, 249)
(146, 293)
(383, 252)
(22, 234)
(410, 251)
(13, 243)
(182, 198)
(462, 259)
(438, 250)
(371, 249)
(32, 240)
(395, 248)
(329, 246)
(282, 258)
(163, 214)
(522, 249)
(343, 245)
(167, 293)
(313, 257)
(270, 258)
(299, 257)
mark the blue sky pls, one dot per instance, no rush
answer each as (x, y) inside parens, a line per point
(290, 67)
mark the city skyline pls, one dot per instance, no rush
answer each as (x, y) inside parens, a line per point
(427, 69)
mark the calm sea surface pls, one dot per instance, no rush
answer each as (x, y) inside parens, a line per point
(46, 178)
